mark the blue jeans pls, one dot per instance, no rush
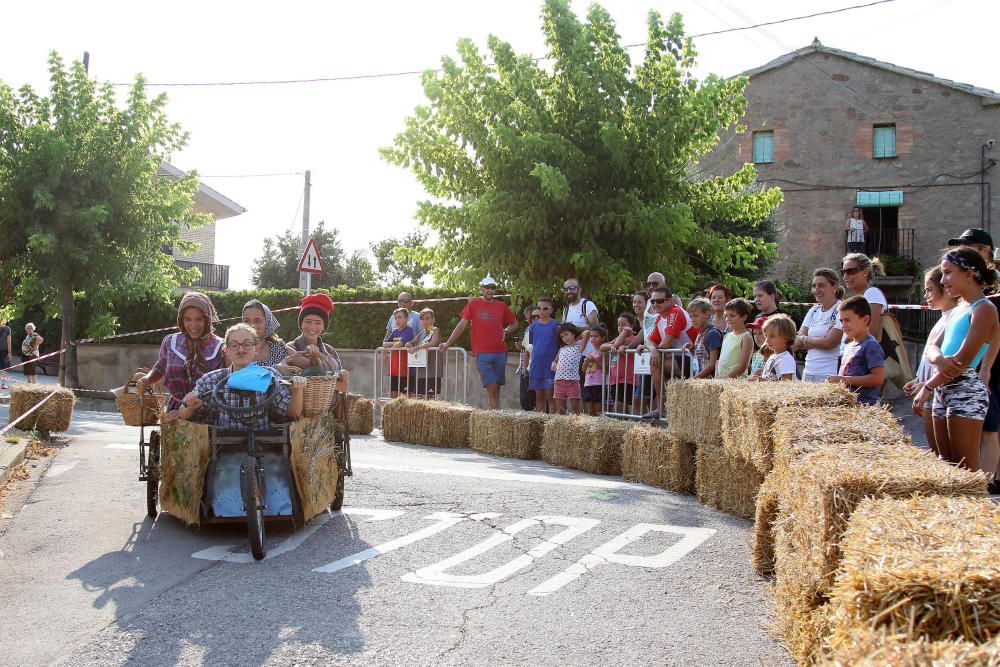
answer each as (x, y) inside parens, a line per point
(492, 367)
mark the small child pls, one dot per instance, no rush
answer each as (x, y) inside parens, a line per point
(622, 368)
(426, 381)
(708, 345)
(862, 368)
(593, 367)
(779, 332)
(567, 368)
(544, 348)
(758, 358)
(395, 342)
(737, 345)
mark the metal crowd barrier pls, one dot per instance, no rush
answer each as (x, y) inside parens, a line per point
(428, 374)
(640, 390)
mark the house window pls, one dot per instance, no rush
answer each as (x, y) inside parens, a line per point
(884, 141)
(763, 147)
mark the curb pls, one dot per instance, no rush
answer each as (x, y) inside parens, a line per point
(10, 457)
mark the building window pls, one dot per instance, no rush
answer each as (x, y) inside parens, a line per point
(884, 141)
(763, 147)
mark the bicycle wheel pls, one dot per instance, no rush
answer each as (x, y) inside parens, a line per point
(153, 474)
(338, 500)
(253, 503)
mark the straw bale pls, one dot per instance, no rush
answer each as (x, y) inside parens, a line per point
(654, 456)
(591, 444)
(55, 415)
(314, 461)
(184, 455)
(883, 649)
(422, 422)
(360, 415)
(762, 546)
(726, 482)
(506, 433)
(924, 567)
(692, 409)
(748, 411)
(819, 493)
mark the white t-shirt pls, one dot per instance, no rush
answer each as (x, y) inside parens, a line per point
(819, 322)
(574, 315)
(926, 368)
(778, 365)
(648, 321)
(876, 296)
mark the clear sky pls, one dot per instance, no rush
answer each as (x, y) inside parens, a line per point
(335, 128)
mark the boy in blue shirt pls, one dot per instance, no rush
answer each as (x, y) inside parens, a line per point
(862, 366)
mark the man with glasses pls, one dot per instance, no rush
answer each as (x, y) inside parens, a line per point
(492, 321)
(674, 329)
(579, 311)
(405, 300)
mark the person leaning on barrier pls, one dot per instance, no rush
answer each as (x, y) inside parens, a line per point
(673, 330)
(404, 300)
(426, 382)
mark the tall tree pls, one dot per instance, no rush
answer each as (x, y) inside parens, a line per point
(277, 267)
(81, 208)
(396, 261)
(581, 166)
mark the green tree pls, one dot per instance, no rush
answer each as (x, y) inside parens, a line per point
(277, 267)
(581, 165)
(358, 271)
(81, 207)
(396, 261)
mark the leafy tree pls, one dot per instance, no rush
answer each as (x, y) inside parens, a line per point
(397, 266)
(358, 271)
(278, 265)
(581, 166)
(81, 208)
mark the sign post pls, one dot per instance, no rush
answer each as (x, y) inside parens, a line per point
(310, 263)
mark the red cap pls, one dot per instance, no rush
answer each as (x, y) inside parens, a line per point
(758, 323)
(316, 304)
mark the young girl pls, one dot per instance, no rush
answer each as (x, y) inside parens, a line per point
(567, 368)
(821, 334)
(427, 381)
(766, 297)
(960, 396)
(544, 337)
(779, 332)
(394, 344)
(859, 271)
(758, 358)
(593, 367)
(622, 368)
(263, 321)
(708, 345)
(737, 345)
(308, 350)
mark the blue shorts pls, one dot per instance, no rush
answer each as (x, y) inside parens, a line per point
(537, 383)
(492, 367)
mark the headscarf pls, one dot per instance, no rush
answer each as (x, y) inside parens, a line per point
(271, 323)
(196, 347)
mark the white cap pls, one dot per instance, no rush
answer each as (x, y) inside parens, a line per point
(488, 280)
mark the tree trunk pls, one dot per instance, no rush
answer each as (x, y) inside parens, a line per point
(68, 376)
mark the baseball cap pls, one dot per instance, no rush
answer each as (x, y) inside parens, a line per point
(758, 323)
(974, 235)
(488, 280)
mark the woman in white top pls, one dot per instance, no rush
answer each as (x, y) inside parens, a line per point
(937, 299)
(859, 271)
(820, 332)
(857, 229)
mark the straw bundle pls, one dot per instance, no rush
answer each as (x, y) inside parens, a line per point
(514, 434)
(592, 444)
(820, 492)
(360, 415)
(314, 461)
(748, 410)
(55, 415)
(692, 408)
(923, 567)
(882, 649)
(762, 546)
(654, 456)
(184, 454)
(433, 423)
(726, 482)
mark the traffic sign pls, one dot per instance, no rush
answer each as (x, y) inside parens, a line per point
(310, 262)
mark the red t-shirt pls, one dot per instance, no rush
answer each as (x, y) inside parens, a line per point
(488, 320)
(675, 323)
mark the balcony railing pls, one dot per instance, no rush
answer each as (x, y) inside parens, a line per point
(885, 242)
(213, 276)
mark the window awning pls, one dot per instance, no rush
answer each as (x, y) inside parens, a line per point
(881, 198)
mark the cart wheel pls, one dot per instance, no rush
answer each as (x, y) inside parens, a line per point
(338, 500)
(153, 474)
(253, 503)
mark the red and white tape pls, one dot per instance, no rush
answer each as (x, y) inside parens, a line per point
(891, 306)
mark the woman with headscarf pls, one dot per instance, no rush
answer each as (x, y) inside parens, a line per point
(188, 354)
(263, 321)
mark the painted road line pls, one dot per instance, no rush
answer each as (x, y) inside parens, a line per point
(607, 553)
(57, 469)
(575, 479)
(118, 445)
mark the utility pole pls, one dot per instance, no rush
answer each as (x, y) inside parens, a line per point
(305, 226)
(86, 62)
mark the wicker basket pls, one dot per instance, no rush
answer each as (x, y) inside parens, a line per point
(318, 394)
(136, 410)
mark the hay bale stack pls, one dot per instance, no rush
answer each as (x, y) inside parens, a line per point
(762, 546)
(656, 457)
(55, 415)
(505, 433)
(392, 419)
(433, 423)
(882, 649)
(692, 409)
(725, 481)
(591, 444)
(820, 492)
(748, 411)
(360, 415)
(923, 568)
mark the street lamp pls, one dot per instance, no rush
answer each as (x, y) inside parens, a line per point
(984, 166)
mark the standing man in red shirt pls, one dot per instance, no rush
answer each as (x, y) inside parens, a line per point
(491, 321)
(673, 330)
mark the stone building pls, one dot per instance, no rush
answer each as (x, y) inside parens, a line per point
(835, 129)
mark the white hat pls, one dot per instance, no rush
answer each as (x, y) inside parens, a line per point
(488, 280)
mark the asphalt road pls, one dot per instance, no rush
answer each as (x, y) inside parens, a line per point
(441, 556)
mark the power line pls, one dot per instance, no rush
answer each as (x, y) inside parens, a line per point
(387, 75)
(277, 173)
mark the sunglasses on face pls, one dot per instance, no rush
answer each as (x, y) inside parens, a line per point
(657, 300)
(570, 288)
(652, 284)
(545, 308)
(850, 271)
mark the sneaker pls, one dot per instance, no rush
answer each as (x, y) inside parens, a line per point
(651, 416)
(994, 488)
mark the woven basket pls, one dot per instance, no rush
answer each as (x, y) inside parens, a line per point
(136, 410)
(318, 394)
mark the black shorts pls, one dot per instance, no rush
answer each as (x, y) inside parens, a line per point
(425, 386)
(992, 422)
(621, 393)
(397, 383)
(592, 394)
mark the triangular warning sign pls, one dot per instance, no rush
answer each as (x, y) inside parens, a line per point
(310, 262)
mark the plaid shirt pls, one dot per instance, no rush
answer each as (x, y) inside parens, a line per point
(216, 417)
(176, 378)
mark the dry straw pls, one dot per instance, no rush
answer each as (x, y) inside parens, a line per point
(314, 462)
(514, 434)
(184, 454)
(883, 649)
(55, 415)
(360, 415)
(692, 408)
(819, 494)
(748, 411)
(924, 567)
(433, 423)
(726, 482)
(592, 444)
(762, 545)
(654, 456)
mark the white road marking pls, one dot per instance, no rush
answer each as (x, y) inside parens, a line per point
(570, 479)
(436, 574)
(116, 445)
(608, 553)
(57, 469)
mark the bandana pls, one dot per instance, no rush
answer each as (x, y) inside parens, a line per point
(271, 323)
(964, 264)
(196, 347)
